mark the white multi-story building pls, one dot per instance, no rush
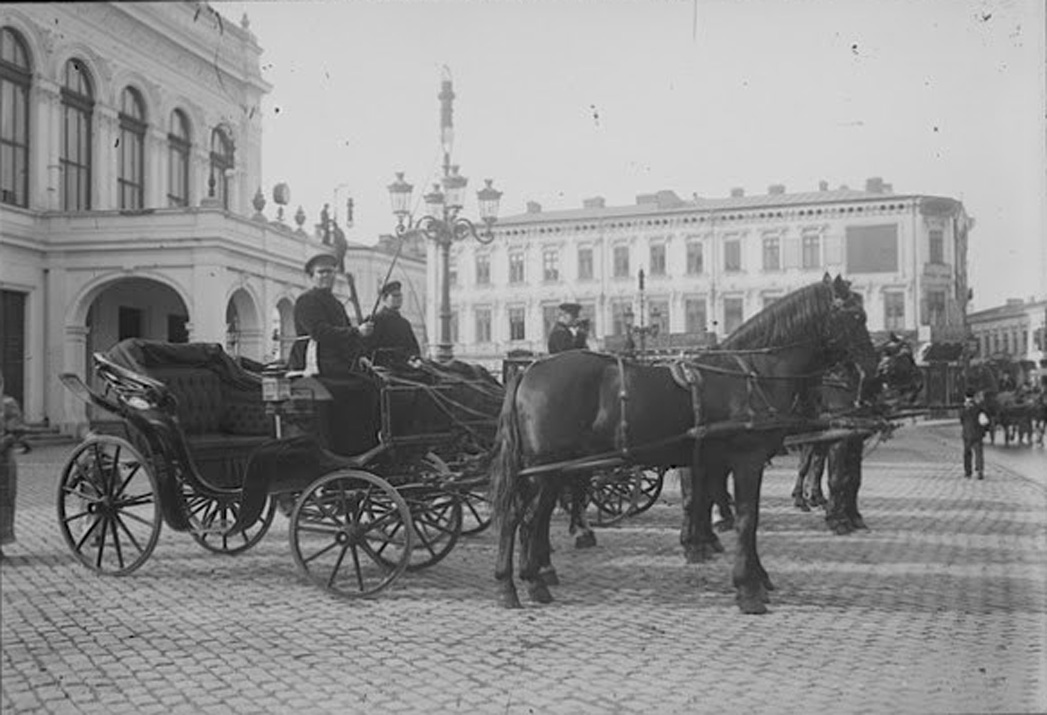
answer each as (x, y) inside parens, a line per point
(130, 194)
(1016, 330)
(710, 264)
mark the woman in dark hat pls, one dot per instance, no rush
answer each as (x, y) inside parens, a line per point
(567, 333)
(393, 340)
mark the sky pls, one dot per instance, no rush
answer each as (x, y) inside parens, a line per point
(562, 100)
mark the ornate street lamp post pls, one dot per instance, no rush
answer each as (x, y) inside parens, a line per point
(442, 223)
(641, 330)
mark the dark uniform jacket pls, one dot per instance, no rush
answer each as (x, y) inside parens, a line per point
(393, 338)
(561, 338)
(972, 429)
(318, 314)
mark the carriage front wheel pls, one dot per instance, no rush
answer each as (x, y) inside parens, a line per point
(211, 520)
(108, 508)
(340, 533)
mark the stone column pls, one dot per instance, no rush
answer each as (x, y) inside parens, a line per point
(45, 176)
(73, 419)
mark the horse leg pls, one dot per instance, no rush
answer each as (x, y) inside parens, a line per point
(812, 491)
(748, 575)
(804, 467)
(544, 549)
(700, 543)
(534, 539)
(579, 488)
(722, 498)
(507, 525)
(836, 508)
(854, 449)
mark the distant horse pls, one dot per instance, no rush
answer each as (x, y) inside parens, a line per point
(902, 382)
(578, 409)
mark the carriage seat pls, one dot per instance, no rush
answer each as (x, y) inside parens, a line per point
(222, 423)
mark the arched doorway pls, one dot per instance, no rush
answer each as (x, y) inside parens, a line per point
(135, 308)
(244, 330)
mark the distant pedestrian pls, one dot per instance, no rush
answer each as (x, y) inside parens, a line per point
(12, 430)
(569, 333)
(973, 421)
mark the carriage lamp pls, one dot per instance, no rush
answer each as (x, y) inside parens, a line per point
(442, 224)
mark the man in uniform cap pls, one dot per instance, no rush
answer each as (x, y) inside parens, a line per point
(392, 341)
(567, 333)
(320, 317)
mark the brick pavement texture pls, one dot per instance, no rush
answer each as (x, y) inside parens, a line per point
(940, 608)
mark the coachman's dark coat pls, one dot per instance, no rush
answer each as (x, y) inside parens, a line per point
(393, 337)
(561, 338)
(318, 314)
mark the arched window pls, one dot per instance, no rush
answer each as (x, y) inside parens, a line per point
(15, 78)
(178, 166)
(221, 164)
(132, 150)
(77, 107)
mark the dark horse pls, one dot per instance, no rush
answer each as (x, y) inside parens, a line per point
(902, 383)
(730, 412)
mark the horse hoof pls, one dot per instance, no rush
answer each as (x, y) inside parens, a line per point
(751, 604)
(540, 594)
(767, 585)
(840, 528)
(859, 524)
(801, 505)
(549, 577)
(585, 541)
(511, 600)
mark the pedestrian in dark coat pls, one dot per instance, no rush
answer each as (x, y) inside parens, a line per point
(350, 420)
(393, 340)
(973, 421)
(11, 432)
(568, 333)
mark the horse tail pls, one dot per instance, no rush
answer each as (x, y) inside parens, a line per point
(506, 463)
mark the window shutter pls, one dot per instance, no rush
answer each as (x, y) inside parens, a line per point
(791, 253)
(833, 251)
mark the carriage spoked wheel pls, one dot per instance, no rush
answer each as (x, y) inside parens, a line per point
(340, 533)
(625, 491)
(211, 521)
(476, 505)
(108, 506)
(436, 515)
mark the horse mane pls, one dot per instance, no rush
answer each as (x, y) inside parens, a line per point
(789, 319)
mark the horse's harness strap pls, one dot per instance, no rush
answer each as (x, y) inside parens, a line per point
(689, 377)
(622, 437)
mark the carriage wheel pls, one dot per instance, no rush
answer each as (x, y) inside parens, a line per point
(108, 506)
(340, 530)
(210, 520)
(476, 512)
(624, 492)
(437, 518)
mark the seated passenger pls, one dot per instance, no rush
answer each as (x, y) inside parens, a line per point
(350, 424)
(392, 343)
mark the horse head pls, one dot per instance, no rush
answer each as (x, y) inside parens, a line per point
(845, 334)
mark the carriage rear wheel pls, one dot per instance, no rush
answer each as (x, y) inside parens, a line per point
(437, 518)
(108, 506)
(340, 530)
(211, 520)
(625, 492)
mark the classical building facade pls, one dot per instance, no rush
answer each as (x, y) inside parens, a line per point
(1015, 330)
(709, 264)
(130, 195)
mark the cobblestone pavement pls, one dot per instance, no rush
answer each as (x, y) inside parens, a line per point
(939, 608)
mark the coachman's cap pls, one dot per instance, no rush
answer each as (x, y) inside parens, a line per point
(320, 259)
(572, 309)
(390, 287)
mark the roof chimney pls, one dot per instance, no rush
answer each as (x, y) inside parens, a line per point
(823, 185)
(737, 192)
(533, 207)
(776, 189)
(874, 185)
(596, 202)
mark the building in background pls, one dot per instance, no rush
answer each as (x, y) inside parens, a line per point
(710, 264)
(1015, 331)
(130, 195)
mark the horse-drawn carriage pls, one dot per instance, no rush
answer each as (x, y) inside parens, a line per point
(211, 448)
